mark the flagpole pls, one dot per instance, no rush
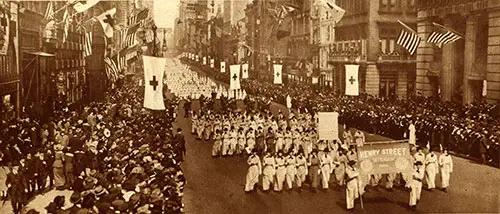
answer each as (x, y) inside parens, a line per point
(449, 29)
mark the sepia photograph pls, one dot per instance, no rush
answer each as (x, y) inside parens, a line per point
(249, 106)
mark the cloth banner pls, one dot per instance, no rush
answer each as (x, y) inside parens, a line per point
(223, 67)
(234, 77)
(277, 74)
(204, 60)
(384, 158)
(197, 58)
(212, 63)
(328, 125)
(351, 80)
(153, 79)
(244, 71)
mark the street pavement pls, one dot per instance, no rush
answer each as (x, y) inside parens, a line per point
(216, 185)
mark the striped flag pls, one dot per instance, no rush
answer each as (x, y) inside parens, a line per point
(49, 12)
(87, 44)
(408, 38)
(149, 36)
(66, 22)
(132, 20)
(111, 69)
(443, 35)
(122, 65)
(130, 37)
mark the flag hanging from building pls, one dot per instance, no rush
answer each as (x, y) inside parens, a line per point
(87, 44)
(212, 63)
(130, 37)
(443, 35)
(351, 80)
(223, 67)
(122, 60)
(408, 38)
(49, 12)
(234, 77)
(107, 22)
(278, 76)
(153, 82)
(111, 69)
(336, 12)
(204, 60)
(66, 23)
(135, 19)
(244, 71)
(80, 7)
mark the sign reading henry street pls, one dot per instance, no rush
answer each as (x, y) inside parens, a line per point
(384, 158)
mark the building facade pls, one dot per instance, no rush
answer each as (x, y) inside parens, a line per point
(10, 79)
(367, 36)
(467, 70)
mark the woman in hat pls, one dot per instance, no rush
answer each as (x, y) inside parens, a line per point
(352, 190)
(287, 139)
(58, 167)
(250, 140)
(241, 141)
(301, 163)
(416, 184)
(340, 161)
(314, 168)
(217, 146)
(269, 170)
(254, 170)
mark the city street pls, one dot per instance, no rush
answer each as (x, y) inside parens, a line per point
(216, 185)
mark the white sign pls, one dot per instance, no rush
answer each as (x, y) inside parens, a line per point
(328, 125)
(244, 71)
(223, 67)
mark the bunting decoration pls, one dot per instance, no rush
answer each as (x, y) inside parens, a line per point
(408, 38)
(49, 12)
(66, 23)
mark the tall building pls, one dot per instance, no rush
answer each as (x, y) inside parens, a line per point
(10, 78)
(465, 70)
(325, 28)
(367, 36)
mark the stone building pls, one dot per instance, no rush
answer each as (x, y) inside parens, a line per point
(468, 69)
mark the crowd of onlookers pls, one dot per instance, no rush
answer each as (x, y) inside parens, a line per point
(114, 155)
(470, 130)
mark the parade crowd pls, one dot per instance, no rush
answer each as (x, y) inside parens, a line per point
(472, 130)
(114, 155)
(284, 153)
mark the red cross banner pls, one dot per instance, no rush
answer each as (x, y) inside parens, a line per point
(153, 82)
(223, 67)
(351, 80)
(244, 71)
(277, 74)
(234, 77)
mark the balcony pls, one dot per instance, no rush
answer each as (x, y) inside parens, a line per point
(398, 55)
(342, 51)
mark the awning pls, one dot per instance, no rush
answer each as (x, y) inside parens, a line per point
(40, 53)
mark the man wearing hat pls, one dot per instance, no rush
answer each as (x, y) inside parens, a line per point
(416, 184)
(352, 190)
(17, 189)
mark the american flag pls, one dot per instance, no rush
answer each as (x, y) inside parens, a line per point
(149, 36)
(130, 36)
(87, 44)
(408, 38)
(122, 62)
(443, 35)
(111, 69)
(132, 20)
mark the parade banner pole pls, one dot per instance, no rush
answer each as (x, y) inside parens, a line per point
(360, 196)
